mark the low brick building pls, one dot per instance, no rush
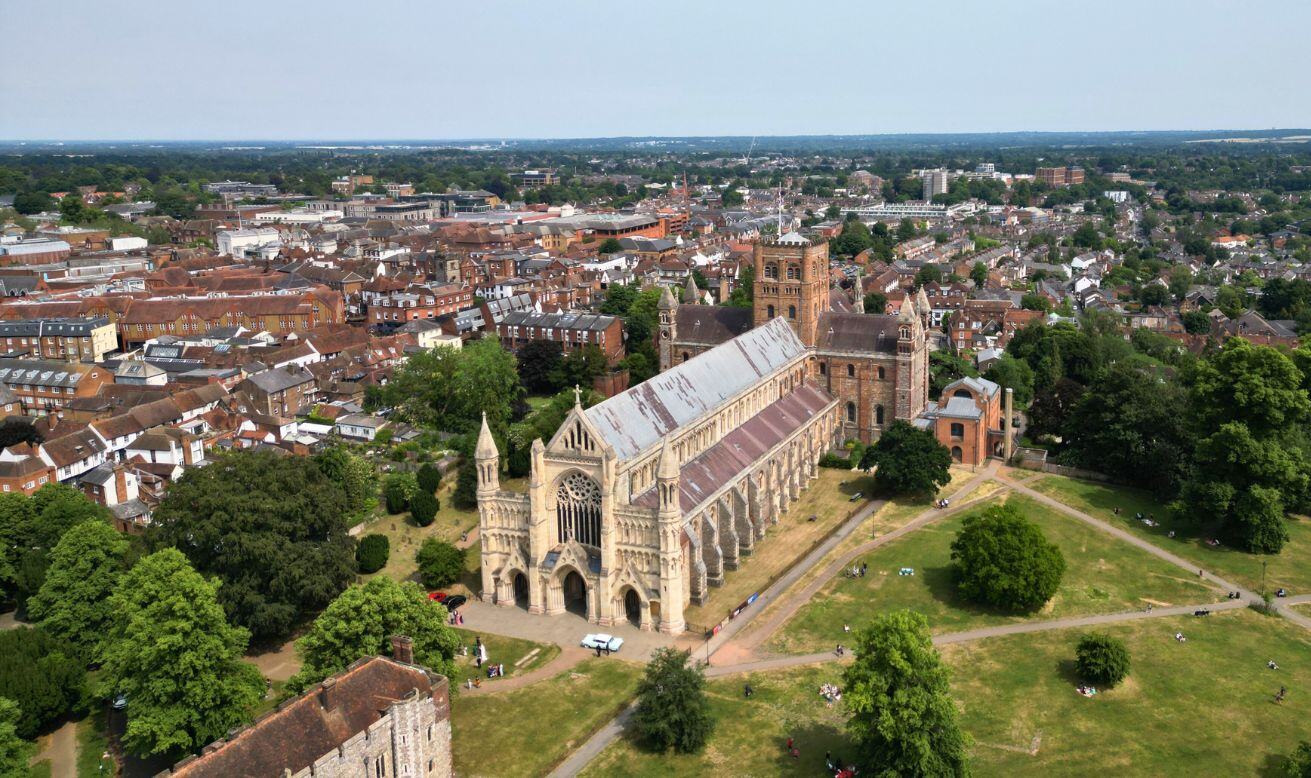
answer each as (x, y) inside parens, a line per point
(572, 331)
(968, 420)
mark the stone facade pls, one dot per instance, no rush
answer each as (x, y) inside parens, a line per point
(639, 504)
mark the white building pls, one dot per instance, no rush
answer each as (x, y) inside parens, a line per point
(251, 243)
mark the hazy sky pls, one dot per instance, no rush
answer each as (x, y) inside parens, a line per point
(284, 69)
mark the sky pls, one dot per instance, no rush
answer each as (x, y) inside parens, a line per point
(441, 69)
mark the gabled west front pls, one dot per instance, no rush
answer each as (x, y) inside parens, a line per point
(641, 503)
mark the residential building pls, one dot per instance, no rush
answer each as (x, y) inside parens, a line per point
(80, 339)
(1060, 176)
(573, 331)
(43, 386)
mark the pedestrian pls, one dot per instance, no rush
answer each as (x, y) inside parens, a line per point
(828, 760)
(789, 743)
(479, 660)
(500, 669)
(796, 753)
(598, 652)
(746, 690)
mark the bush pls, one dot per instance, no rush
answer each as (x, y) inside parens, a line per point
(429, 478)
(423, 507)
(834, 460)
(1101, 659)
(440, 563)
(372, 552)
(1002, 559)
(38, 672)
(465, 496)
(397, 489)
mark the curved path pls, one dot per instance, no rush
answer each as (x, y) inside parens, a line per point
(568, 657)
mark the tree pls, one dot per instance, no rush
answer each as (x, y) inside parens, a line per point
(1101, 659)
(423, 508)
(854, 238)
(673, 711)
(1129, 426)
(1033, 301)
(356, 475)
(1256, 385)
(440, 563)
(1154, 294)
(979, 274)
(1196, 322)
(903, 719)
(451, 389)
(1087, 236)
(14, 751)
(372, 552)
(19, 429)
(73, 603)
(1003, 560)
(42, 675)
(928, 274)
(362, 621)
(584, 364)
(31, 526)
(272, 528)
(876, 303)
(731, 198)
(540, 365)
(465, 496)
(429, 478)
(1242, 481)
(397, 491)
(909, 460)
(945, 367)
(1014, 374)
(1052, 405)
(609, 246)
(1298, 763)
(32, 202)
(171, 652)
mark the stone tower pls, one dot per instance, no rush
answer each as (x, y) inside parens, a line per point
(668, 328)
(669, 519)
(912, 363)
(792, 282)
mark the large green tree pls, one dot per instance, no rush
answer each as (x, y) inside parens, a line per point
(673, 711)
(172, 653)
(450, 389)
(1001, 559)
(30, 527)
(541, 365)
(909, 460)
(356, 475)
(14, 751)
(1256, 385)
(1101, 659)
(903, 719)
(41, 673)
(440, 563)
(85, 568)
(361, 623)
(272, 528)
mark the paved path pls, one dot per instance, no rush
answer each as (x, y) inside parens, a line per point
(746, 646)
(574, 764)
(60, 747)
(568, 657)
(1280, 606)
(565, 630)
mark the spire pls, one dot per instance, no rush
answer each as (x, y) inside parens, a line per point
(922, 301)
(668, 467)
(667, 301)
(692, 293)
(486, 448)
(906, 315)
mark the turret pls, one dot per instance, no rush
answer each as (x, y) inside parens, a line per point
(488, 460)
(668, 309)
(691, 292)
(667, 482)
(670, 519)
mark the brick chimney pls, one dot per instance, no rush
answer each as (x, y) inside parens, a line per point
(327, 694)
(402, 649)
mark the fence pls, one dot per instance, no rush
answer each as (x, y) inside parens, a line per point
(1036, 459)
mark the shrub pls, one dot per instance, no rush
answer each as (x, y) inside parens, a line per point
(423, 507)
(372, 552)
(440, 563)
(1002, 559)
(397, 489)
(465, 496)
(429, 478)
(1101, 659)
(834, 460)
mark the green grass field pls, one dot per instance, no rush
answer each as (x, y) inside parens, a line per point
(1290, 569)
(528, 731)
(500, 650)
(1102, 576)
(750, 736)
(1203, 707)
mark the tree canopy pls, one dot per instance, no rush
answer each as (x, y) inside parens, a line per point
(172, 653)
(272, 528)
(30, 527)
(903, 719)
(73, 603)
(450, 389)
(42, 674)
(14, 751)
(1101, 659)
(673, 711)
(440, 563)
(909, 460)
(361, 622)
(1003, 560)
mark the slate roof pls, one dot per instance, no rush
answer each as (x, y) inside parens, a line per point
(711, 324)
(857, 332)
(636, 419)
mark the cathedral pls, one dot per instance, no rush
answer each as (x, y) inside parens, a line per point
(640, 504)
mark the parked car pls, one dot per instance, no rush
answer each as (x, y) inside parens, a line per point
(438, 596)
(856, 496)
(119, 703)
(602, 641)
(454, 601)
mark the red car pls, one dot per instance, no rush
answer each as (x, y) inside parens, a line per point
(438, 596)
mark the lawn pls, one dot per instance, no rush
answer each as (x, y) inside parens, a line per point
(1290, 569)
(501, 650)
(828, 499)
(91, 746)
(750, 736)
(1200, 708)
(1102, 576)
(528, 731)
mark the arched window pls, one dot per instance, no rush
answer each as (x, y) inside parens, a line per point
(851, 370)
(851, 412)
(905, 333)
(963, 393)
(794, 272)
(792, 311)
(823, 368)
(578, 510)
(770, 311)
(878, 414)
(771, 271)
(880, 374)
(686, 356)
